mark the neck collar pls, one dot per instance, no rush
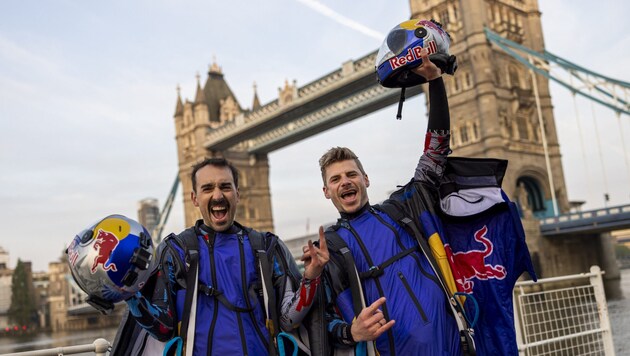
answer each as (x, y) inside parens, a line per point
(203, 229)
(350, 216)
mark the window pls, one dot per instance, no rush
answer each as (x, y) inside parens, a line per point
(456, 87)
(521, 125)
(513, 76)
(464, 134)
(468, 78)
(444, 17)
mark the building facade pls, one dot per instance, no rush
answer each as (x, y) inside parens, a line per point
(66, 303)
(6, 275)
(149, 214)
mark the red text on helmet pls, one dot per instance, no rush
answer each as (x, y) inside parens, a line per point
(413, 54)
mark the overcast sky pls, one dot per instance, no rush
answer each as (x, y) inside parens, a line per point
(88, 92)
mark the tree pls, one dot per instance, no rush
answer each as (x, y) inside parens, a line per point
(622, 251)
(22, 310)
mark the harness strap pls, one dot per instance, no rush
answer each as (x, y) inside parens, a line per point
(377, 271)
(270, 299)
(213, 292)
(358, 302)
(337, 244)
(188, 241)
(466, 340)
(265, 272)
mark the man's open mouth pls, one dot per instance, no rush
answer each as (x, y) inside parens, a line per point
(219, 212)
(348, 194)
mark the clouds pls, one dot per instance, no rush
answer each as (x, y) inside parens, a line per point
(341, 19)
(87, 95)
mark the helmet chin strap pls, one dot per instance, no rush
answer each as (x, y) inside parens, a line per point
(400, 104)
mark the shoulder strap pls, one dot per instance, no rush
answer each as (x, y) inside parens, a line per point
(261, 243)
(337, 244)
(189, 242)
(393, 209)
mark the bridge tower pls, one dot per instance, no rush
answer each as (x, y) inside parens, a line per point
(492, 101)
(494, 113)
(213, 106)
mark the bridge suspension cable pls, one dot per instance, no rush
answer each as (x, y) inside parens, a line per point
(612, 93)
(165, 212)
(606, 91)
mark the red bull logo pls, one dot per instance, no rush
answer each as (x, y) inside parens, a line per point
(105, 243)
(412, 55)
(469, 265)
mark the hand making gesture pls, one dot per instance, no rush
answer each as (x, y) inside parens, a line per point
(370, 323)
(427, 69)
(315, 258)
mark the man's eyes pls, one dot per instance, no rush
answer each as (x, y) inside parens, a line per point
(209, 188)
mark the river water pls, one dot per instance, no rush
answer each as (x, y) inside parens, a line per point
(618, 310)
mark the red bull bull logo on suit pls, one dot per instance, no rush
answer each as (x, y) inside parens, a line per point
(472, 264)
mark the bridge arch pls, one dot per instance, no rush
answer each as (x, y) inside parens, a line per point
(533, 195)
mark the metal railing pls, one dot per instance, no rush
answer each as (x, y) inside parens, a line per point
(554, 316)
(99, 347)
(605, 219)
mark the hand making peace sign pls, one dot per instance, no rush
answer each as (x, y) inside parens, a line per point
(315, 258)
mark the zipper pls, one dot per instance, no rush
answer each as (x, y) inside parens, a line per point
(414, 299)
(390, 335)
(241, 250)
(215, 314)
(242, 333)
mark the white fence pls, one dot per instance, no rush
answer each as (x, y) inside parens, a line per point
(563, 316)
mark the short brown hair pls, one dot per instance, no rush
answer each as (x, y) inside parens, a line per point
(217, 162)
(338, 154)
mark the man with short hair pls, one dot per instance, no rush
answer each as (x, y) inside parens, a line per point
(230, 309)
(404, 311)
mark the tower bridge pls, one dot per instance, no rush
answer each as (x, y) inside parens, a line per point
(499, 109)
(347, 93)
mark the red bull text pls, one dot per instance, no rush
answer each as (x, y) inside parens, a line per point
(413, 54)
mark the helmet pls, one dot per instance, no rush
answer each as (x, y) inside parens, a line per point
(400, 52)
(110, 260)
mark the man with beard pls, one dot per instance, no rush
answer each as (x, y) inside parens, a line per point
(231, 316)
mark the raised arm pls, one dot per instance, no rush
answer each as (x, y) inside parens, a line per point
(297, 303)
(436, 143)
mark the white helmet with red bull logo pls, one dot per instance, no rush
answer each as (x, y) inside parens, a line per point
(111, 260)
(400, 52)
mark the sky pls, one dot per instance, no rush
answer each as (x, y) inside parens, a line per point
(88, 93)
